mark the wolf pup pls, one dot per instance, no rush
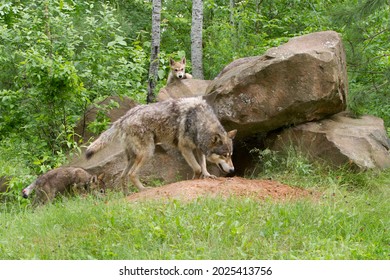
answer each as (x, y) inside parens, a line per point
(60, 181)
(178, 71)
(187, 124)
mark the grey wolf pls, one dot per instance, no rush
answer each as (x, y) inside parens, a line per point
(60, 181)
(178, 71)
(187, 124)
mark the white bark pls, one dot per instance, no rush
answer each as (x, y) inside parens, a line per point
(155, 50)
(196, 39)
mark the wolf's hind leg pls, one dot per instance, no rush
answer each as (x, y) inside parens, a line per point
(133, 173)
(131, 170)
(42, 196)
(123, 178)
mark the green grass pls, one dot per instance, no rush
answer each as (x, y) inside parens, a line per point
(355, 226)
(348, 220)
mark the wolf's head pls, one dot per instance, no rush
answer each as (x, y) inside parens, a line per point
(96, 185)
(178, 68)
(222, 150)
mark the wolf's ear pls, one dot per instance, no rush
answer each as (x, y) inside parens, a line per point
(171, 62)
(232, 133)
(183, 60)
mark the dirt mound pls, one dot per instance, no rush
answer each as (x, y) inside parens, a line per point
(222, 187)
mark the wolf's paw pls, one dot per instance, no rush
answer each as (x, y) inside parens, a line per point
(206, 176)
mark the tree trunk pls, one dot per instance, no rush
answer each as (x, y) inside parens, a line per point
(232, 13)
(196, 39)
(155, 50)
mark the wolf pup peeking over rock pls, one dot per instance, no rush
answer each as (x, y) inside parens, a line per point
(187, 124)
(178, 71)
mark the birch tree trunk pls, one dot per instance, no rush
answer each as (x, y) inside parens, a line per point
(155, 50)
(232, 12)
(196, 39)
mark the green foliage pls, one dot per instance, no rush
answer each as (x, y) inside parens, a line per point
(56, 58)
(294, 168)
(272, 163)
(366, 30)
(251, 27)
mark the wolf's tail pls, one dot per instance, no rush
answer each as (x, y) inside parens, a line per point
(105, 138)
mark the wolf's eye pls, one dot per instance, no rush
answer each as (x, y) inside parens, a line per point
(176, 70)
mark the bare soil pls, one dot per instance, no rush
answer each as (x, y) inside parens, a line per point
(222, 187)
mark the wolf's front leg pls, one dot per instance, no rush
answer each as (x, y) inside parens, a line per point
(203, 165)
(189, 156)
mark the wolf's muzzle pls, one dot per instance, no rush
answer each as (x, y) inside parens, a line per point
(228, 171)
(25, 195)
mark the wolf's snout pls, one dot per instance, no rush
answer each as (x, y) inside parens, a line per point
(25, 195)
(226, 169)
(180, 76)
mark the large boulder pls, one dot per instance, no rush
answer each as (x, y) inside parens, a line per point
(340, 140)
(113, 106)
(302, 80)
(183, 88)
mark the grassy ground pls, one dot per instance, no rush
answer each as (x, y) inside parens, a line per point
(349, 221)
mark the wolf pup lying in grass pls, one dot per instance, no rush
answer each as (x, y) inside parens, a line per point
(188, 124)
(62, 180)
(178, 71)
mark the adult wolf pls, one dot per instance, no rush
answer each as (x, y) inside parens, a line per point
(60, 181)
(178, 70)
(188, 124)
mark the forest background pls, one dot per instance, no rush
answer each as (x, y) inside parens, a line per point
(57, 58)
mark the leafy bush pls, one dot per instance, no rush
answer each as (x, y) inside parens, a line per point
(56, 58)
